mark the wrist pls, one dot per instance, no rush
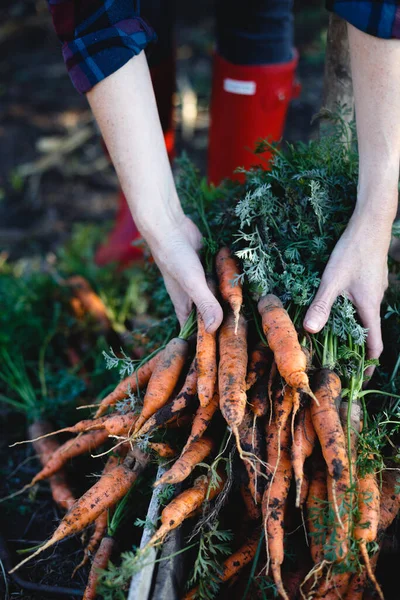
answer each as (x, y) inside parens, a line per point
(377, 200)
(157, 216)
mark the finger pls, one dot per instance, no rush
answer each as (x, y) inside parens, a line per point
(185, 267)
(371, 320)
(320, 308)
(181, 301)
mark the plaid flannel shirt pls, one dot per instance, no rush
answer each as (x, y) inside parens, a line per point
(100, 36)
(380, 18)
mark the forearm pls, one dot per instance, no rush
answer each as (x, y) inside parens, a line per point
(375, 66)
(125, 109)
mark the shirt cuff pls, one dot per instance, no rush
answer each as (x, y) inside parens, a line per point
(94, 56)
(381, 19)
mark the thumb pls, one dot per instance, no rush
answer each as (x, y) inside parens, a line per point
(320, 309)
(190, 275)
(208, 306)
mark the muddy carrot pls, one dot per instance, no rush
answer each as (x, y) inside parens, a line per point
(366, 529)
(228, 270)
(201, 420)
(389, 508)
(251, 442)
(100, 561)
(130, 384)
(115, 424)
(275, 499)
(234, 563)
(184, 400)
(100, 524)
(283, 340)
(70, 449)
(302, 447)
(253, 510)
(106, 492)
(333, 586)
(316, 508)
(163, 379)
(353, 432)
(162, 449)
(326, 421)
(259, 397)
(206, 353)
(187, 462)
(232, 371)
(258, 364)
(90, 302)
(180, 508)
(45, 448)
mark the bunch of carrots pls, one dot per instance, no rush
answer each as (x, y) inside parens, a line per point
(252, 386)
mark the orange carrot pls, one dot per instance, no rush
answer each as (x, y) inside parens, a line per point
(179, 422)
(283, 340)
(228, 270)
(201, 420)
(275, 498)
(305, 486)
(185, 399)
(357, 585)
(162, 449)
(99, 531)
(258, 364)
(115, 424)
(355, 428)
(232, 371)
(283, 405)
(234, 563)
(100, 524)
(206, 353)
(326, 421)
(130, 384)
(70, 449)
(187, 462)
(251, 442)
(89, 301)
(333, 586)
(180, 508)
(302, 447)
(106, 492)
(366, 529)
(389, 508)
(100, 561)
(45, 448)
(259, 397)
(316, 505)
(253, 510)
(163, 379)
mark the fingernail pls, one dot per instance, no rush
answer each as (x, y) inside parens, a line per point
(312, 324)
(210, 322)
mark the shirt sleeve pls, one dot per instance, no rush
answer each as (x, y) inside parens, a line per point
(380, 18)
(98, 37)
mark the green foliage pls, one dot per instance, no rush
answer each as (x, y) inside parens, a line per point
(290, 220)
(213, 546)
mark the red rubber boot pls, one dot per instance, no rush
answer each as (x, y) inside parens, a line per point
(248, 102)
(118, 247)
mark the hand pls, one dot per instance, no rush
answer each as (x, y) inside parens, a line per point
(177, 258)
(358, 268)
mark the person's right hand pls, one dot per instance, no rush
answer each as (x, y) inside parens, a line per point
(176, 255)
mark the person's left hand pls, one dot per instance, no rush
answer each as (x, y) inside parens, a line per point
(358, 268)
